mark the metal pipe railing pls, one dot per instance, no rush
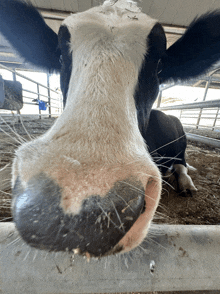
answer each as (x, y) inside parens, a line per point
(202, 126)
(204, 104)
(199, 106)
(25, 90)
(22, 76)
(39, 95)
(201, 139)
(34, 104)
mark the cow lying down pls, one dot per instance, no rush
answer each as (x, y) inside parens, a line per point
(89, 184)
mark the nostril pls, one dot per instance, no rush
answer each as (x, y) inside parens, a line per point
(98, 226)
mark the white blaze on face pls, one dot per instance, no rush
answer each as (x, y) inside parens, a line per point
(108, 45)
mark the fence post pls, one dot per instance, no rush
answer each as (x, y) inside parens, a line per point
(204, 98)
(38, 97)
(48, 90)
(215, 120)
(14, 79)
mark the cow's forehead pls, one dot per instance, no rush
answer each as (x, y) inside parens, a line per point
(111, 29)
(113, 16)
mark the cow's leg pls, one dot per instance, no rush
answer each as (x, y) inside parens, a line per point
(184, 182)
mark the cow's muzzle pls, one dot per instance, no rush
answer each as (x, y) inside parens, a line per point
(95, 230)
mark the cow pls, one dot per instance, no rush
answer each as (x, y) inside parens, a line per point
(166, 142)
(89, 184)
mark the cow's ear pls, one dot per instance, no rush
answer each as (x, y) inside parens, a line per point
(195, 52)
(23, 26)
(156, 42)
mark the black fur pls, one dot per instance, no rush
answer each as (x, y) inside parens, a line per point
(195, 52)
(148, 84)
(165, 139)
(66, 60)
(23, 26)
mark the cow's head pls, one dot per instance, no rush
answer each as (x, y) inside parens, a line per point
(89, 183)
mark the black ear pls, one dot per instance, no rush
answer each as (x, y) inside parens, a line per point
(23, 26)
(195, 52)
(147, 86)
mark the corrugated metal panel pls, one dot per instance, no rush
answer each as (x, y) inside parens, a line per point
(85, 4)
(42, 3)
(171, 12)
(65, 5)
(178, 12)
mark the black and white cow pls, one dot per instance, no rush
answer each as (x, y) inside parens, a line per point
(89, 184)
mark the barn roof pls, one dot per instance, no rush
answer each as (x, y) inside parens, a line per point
(170, 12)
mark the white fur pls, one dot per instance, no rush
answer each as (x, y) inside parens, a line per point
(108, 48)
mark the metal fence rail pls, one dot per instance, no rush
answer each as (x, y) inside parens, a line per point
(204, 110)
(52, 103)
(204, 104)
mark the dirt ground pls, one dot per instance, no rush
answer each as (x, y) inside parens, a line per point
(203, 208)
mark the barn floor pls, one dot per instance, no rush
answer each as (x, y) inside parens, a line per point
(203, 208)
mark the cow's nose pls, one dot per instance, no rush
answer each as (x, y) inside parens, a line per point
(98, 226)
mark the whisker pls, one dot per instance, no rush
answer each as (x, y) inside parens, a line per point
(35, 255)
(108, 216)
(121, 224)
(125, 202)
(149, 175)
(46, 255)
(5, 219)
(168, 144)
(132, 186)
(4, 167)
(10, 143)
(6, 193)
(173, 158)
(163, 181)
(126, 262)
(29, 135)
(168, 184)
(14, 241)
(21, 139)
(165, 157)
(27, 255)
(143, 249)
(155, 242)
(58, 232)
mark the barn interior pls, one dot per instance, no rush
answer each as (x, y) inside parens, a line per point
(200, 118)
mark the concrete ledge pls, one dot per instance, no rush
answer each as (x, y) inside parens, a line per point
(175, 257)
